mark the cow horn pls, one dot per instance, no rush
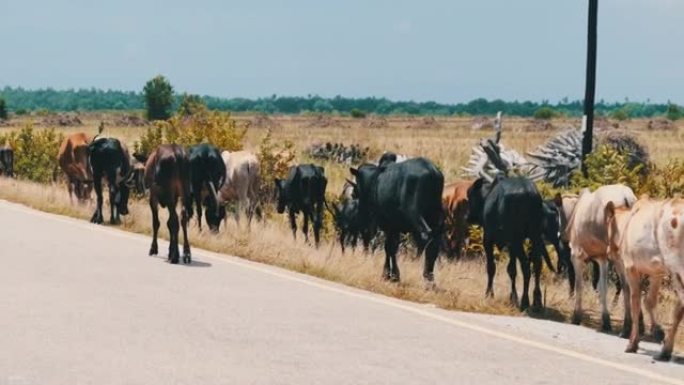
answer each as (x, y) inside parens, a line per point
(214, 194)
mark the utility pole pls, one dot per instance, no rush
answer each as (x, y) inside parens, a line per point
(590, 90)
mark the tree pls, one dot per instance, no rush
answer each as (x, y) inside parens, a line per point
(158, 98)
(545, 113)
(3, 109)
(191, 104)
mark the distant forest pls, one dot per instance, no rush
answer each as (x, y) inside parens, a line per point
(20, 100)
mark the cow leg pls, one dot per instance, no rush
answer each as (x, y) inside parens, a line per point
(517, 253)
(391, 270)
(113, 210)
(154, 250)
(633, 280)
(491, 266)
(97, 216)
(651, 302)
(305, 226)
(627, 322)
(577, 264)
(318, 222)
(603, 293)
(431, 253)
(173, 234)
(538, 248)
(343, 237)
(197, 194)
(70, 188)
(570, 266)
(293, 222)
(596, 274)
(186, 243)
(677, 314)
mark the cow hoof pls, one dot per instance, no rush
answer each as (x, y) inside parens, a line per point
(658, 333)
(115, 222)
(632, 348)
(187, 259)
(605, 323)
(386, 276)
(664, 356)
(153, 250)
(430, 285)
(524, 305)
(576, 318)
(394, 278)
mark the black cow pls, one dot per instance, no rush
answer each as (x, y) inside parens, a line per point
(510, 210)
(303, 190)
(208, 172)
(350, 226)
(401, 198)
(109, 159)
(6, 161)
(167, 175)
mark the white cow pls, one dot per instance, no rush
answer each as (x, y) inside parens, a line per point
(587, 232)
(649, 240)
(242, 183)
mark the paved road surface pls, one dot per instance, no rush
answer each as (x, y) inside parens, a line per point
(81, 304)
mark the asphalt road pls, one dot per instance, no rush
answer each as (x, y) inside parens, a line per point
(84, 304)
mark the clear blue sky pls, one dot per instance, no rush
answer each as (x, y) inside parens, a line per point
(443, 50)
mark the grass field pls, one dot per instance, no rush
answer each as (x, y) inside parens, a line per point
(445, 140)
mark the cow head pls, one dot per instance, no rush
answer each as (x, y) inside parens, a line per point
(366, 177)
(477, 194)
(281, 195)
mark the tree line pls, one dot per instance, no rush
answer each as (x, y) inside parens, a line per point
(20, 100)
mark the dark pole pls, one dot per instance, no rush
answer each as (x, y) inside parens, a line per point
(590, 90)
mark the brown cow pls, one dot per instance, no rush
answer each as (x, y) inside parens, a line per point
(587, 232)
(74, 160)
(649, 240)
(455, 203)
(167, 175)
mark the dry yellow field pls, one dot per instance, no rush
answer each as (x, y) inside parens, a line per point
(445, 140)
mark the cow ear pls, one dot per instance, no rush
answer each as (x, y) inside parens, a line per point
(354, 171)
(558, 200)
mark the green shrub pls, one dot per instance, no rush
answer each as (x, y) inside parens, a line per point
(191, 104)
(3, 109)
(665, 181)
(620, 114)
(608, 166)
(35, 153)
(21, 112)
(674, 112)
(357, 114)
(214, 127)
(545, 113)
(275, 163)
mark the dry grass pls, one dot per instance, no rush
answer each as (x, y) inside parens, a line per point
(460, 285)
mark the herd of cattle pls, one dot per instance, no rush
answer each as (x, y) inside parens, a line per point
(401, 195)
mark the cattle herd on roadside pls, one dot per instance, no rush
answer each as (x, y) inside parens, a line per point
(406, 195)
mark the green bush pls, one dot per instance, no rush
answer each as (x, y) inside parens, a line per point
(3, 109)
(35, 153)
(674, 112)
(217, 128)
(158, 98)
(665, 181)
(620, 114)
(274, 162)
(357, 114)
(191, 104)
(607, 165)
(545, 113)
